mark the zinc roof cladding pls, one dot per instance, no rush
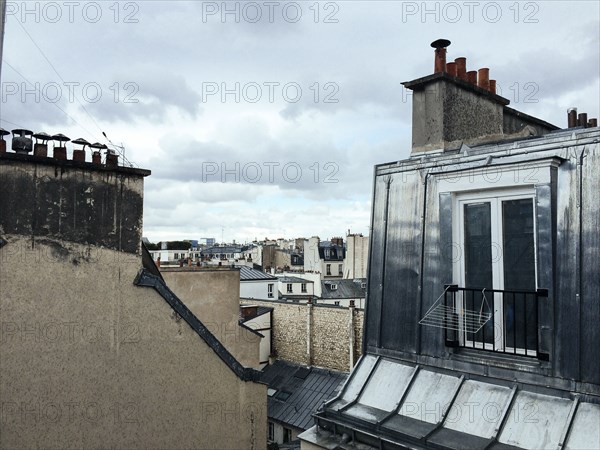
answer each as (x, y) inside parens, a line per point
(309, 388)
(249, 274)
(291, 279)
(364, 405)
(346, 288)
(219, 250)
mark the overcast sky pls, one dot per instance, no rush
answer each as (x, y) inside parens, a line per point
(266, 118)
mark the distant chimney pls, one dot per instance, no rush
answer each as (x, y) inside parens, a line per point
(60, 149)
(96, 155)
(582, 120)
(79, 154)
(3, 133)
(572, 117)
(41, 148)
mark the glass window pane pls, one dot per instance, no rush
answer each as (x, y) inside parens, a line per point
(520, 310)
(478, 246)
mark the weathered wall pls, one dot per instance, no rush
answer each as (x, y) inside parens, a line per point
(213, 294)
(89, 360)
(71, 201)
(315, 335)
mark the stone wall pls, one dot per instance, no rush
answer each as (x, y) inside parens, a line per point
(315, 335)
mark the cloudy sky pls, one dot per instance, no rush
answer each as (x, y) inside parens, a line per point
(266, 118)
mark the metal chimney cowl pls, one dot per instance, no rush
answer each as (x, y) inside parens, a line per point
(22, 141)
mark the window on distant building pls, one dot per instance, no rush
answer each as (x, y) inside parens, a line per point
(271, 431)
(176, 255)
(327, 253)
(303, 287)
(328, 269)
(336, 303)
(287, 435)
(340, 270)
(270, 290)
(333, 287)
(497, 234)
(289, 288)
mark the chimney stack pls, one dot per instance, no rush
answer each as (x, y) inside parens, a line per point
(472, 77)
(41, 148)
(440, 45)
(483, 78)
(572, 117)
(582, 120)
(461, 68)
(3, 133)
(79, 154)
(60, 150)
(97, 147)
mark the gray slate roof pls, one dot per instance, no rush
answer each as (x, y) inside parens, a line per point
(345, 289)
(249, 274)
(308, 389)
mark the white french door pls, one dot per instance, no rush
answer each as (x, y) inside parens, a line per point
(496, 234)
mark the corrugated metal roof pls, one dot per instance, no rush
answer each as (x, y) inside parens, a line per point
(291, 279)
(248, 274)
(309, 388)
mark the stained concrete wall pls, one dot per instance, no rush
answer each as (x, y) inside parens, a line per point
(320, 336)
(89, 360)
(213, 295)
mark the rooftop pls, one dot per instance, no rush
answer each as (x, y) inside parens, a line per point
(296, 392)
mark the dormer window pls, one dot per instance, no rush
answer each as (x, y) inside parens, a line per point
(333, 287)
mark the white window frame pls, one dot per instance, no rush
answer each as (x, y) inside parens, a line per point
(270, 290)
(289, 288)
(495, 197)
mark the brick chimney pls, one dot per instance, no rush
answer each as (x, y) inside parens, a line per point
(454, 106)
(69, 200)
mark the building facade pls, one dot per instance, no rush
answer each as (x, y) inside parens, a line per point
(484, 333)
(96, 350)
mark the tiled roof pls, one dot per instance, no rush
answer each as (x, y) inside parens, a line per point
(300, 392)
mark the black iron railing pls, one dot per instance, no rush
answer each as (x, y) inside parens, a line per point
(496, 320)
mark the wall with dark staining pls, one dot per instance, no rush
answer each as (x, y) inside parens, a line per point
(75, 202)
(413, 254)
(90, 360)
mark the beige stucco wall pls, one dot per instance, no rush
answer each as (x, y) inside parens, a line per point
(89, 360)
(213, 295)
(325, 342)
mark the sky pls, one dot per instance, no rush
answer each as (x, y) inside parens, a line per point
(265, 119)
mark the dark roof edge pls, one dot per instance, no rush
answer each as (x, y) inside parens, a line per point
(420, 83)
(530, 118)
(250, 329)
(146, 279)
(49, 161)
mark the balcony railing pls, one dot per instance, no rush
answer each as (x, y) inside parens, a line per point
(502, 321)
(495, 320)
